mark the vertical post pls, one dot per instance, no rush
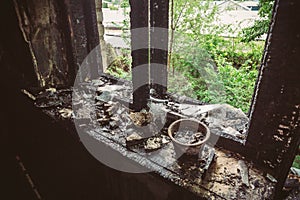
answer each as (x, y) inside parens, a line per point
(92, 34)
(84, 34)
(159, 21)
(139, 51)
(77, 31)
(274, 131)
(103, 45)
(99, 14)
(91, 25)
(42, 25)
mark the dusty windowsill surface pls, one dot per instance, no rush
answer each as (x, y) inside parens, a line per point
(100, 111)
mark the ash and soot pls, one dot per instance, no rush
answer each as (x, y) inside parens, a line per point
(187, 136)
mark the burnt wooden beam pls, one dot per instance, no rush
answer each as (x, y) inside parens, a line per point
(159, 22)
(274, 132)
(84, 35)
(140, 52)
(77, 31)
(64, 27)
(91, 28)
(59, 35)
(18, 71)
(41, 26)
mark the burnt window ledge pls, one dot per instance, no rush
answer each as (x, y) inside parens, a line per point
(225, 174)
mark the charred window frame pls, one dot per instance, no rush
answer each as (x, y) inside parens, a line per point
(63, 31)
(273, 132)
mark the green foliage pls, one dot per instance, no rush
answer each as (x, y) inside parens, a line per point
(125, 25)
(104, 5)
(239, 85)
(218, 69)
(113, 7)
(296, 162)
(124, 4)
(178, 83)
(120, 67)
(210, 68)
(260, 26)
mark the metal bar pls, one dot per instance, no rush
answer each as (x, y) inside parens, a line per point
(140, 53)
(159, 22)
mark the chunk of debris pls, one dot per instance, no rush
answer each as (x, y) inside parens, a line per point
(105, 96)
(229, 116)
(165, 139)
(243, 170)
(153, 144)
(28, 94)
(292, 181)
(228, 122)
(271, 178)
(103, 121)
(295, 171)
(113, 125)
(98, 82)
(66, 112)
(112, 109)
(141, 118)
(233, 132)
(133, 139)
(196, 110)
(51, 90)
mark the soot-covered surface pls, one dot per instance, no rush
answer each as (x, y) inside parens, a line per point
(101, 111)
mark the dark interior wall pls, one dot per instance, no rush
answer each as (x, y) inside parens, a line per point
(35, 49)
(41, 23)
(58, 164)
(15, 60)
(45, 42)
(84, 36)
(16, 72)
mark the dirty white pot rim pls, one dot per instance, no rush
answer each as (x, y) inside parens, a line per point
(207, 132)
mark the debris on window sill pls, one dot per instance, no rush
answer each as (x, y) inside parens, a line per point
(215, 174)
